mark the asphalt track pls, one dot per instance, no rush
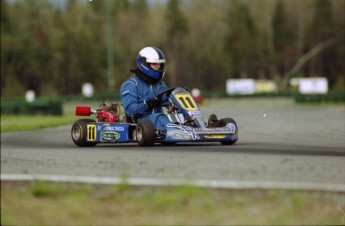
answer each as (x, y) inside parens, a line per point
(280, 145)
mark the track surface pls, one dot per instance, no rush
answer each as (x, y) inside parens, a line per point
(282, 143)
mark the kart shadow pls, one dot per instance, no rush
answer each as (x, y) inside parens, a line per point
(241, 147)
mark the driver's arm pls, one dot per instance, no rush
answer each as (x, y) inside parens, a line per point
(129, 99)
(163, 87)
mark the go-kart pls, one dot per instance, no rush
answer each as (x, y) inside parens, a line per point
(186, 124)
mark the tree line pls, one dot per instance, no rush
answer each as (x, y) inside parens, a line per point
(53, 51)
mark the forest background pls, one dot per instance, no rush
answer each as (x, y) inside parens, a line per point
(54, 50)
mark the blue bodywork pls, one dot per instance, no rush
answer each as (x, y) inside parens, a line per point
(180, 133)
(100, 132)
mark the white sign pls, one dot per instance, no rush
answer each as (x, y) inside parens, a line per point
(313, 85)
(87, 89)
(240, 86)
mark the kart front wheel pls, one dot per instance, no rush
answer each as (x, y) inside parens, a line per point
(223, 122)
(79, 133)
(146, 133)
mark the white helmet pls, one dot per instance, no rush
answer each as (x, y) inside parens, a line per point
(151, 55)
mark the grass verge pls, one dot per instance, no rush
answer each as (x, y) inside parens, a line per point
(11, 123)
(15, 123)
(43, 203)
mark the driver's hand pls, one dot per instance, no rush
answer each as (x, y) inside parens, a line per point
(154, 102)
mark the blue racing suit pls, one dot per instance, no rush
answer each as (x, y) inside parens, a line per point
(134, 92)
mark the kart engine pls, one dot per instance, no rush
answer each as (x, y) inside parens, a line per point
(105, 112)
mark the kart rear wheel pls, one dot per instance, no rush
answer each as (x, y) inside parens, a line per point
(79, 133)
(146, 133)
(223, 122)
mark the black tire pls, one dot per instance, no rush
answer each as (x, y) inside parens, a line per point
(146, 133)
(223, 122)
(212, 121)
(79, 133)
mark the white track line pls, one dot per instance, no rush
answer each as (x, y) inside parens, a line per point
(232, 184)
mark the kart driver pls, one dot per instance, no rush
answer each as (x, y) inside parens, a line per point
(138, 93)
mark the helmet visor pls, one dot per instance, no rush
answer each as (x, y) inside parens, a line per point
(156, 61)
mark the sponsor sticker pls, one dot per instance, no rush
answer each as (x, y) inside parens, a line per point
(227, 129)
(110, 136)
(178, 135)
(214, 136)
(110, 132)
(109, 127)
(125, 92)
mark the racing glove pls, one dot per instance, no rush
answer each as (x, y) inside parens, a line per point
(154, 102)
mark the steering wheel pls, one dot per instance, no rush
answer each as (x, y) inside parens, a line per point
(167, 92)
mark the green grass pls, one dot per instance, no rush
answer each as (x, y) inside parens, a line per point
(43, 203)
(14, 123)
(11, 123)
